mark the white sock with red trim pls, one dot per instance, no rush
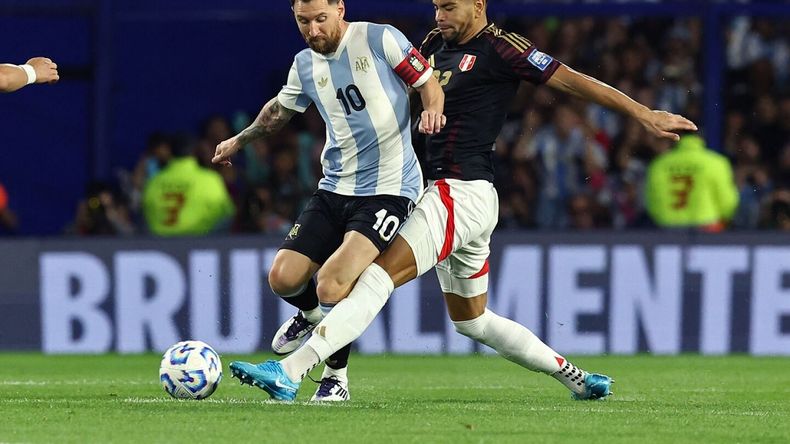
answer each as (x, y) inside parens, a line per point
(571, 376)
(516, 343)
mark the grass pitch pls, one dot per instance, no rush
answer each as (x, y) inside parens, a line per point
(402, 399)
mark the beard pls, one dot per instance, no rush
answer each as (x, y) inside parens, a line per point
(324, 45)
(450, 35)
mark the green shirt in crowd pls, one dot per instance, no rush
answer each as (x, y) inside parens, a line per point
(186, 199)
(691, 186)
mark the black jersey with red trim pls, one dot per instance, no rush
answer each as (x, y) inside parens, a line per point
(479, 79)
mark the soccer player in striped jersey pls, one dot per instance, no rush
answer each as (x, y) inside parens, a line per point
(480, 67)
(357, 75)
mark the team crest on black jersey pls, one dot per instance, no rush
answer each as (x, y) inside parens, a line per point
(467, 62)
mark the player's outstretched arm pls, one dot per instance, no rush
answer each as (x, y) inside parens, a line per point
(36, 70)
(432, 118)
(271, 119)
(659, 123)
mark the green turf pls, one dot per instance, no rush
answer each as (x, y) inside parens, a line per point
(403, 399)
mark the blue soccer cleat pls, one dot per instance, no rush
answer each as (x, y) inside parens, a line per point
(268, 376)
(596, 386)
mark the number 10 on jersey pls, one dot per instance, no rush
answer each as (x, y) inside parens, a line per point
(351, 98)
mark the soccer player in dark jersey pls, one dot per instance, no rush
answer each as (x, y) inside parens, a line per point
(479, 67)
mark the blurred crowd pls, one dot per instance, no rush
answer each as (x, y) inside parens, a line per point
(560, 163)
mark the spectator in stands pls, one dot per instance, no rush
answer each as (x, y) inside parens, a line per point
(8, 220)
(753, 179)
(216, 129)
(257, 213)
(782, 173)
(157, 154)
(258, 162)
(568, 158)
(691, 186)
(185, 198)
(103, 212)
(585, 213)
(778, 211)
(288, 194)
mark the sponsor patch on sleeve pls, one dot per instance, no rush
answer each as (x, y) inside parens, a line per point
(540, 60)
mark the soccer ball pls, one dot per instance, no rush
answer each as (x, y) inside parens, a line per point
(190, 370)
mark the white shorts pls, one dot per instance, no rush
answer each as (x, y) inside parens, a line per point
(451, 229)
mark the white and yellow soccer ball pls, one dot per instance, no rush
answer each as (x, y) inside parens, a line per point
(190, 370)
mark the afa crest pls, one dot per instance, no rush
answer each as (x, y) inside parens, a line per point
(294, 232)
(416, 63)
(362, 64)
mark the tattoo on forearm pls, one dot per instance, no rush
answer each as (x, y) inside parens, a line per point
(272, 118)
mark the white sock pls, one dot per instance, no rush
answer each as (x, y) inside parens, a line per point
(299, 363)
(351, 316)
(325, 308)
(515, 343)
(313, 316)
(571, 376)
(341, 374)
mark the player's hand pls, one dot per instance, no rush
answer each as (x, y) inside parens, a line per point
(46, 69)
(431, 122)
(225, 150)
(664, 124)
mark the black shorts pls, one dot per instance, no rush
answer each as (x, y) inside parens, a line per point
(319, 230)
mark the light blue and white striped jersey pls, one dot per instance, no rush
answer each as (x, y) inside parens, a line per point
(361, 93)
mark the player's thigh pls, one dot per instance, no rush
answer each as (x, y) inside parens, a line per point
(371, 224)
(319, 229)
(465, 271)
(342, 269)
(316, 234)
(398, 260)
(290, 271)
(461, 308)
(451, 214)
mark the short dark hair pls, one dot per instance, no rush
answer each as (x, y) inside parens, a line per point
(293, 2)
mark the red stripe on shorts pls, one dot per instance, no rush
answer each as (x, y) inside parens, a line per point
(482, 271)
(449, 230)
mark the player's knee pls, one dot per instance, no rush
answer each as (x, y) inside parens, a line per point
(474, 328)
(283, 283)
(330, 290)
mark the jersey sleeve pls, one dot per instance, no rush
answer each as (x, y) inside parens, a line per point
(404, 58)
(524, 60)
(292, 95)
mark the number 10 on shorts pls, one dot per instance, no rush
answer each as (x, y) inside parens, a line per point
(387, 226)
